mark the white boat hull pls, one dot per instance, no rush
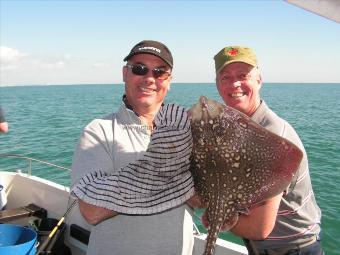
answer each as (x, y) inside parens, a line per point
(22, 190)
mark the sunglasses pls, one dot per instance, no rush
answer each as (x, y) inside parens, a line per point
(141, 70)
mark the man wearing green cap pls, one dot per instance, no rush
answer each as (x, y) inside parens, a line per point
(290, 222)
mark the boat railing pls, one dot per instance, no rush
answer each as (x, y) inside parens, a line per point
(30, 160)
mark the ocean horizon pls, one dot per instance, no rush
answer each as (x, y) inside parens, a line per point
(173, 83)
(46, 122)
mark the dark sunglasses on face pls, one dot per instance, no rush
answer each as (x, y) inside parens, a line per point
(141, 70)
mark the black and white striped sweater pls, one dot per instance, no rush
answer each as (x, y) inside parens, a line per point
(158, 181)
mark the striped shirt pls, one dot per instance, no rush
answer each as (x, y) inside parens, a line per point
(159, 180)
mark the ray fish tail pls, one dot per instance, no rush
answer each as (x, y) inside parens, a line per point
(216, 216)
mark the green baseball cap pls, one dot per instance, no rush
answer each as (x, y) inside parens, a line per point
(233, 54)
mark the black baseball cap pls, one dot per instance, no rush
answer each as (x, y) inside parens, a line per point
(155, 48)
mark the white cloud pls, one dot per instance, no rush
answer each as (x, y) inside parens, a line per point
(17, 67)
(8, 55)
(11, 58)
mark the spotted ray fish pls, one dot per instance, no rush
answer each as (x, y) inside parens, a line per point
(236, 163)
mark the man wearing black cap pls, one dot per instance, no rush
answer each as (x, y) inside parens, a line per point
(111, 143)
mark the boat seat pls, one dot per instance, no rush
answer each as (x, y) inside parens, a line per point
(22, 212)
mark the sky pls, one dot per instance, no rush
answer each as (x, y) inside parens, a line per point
(85, 42)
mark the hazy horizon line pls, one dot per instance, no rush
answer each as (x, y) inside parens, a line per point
(173, 83)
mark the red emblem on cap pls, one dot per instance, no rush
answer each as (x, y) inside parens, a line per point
(232, 52)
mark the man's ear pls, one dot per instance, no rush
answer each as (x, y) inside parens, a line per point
(124, 71)
(170, 79)
(259, 80)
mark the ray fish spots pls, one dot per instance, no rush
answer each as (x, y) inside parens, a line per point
(236, 163)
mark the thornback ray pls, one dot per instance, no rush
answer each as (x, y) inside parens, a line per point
(236, 163)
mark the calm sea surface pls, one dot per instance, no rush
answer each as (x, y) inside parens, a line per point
(46, 121)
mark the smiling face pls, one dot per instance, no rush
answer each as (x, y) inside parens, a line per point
(145, 93)
(239, 85)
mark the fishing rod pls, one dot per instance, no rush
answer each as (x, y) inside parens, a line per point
(48, 239)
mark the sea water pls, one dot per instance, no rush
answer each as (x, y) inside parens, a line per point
(46, 122)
